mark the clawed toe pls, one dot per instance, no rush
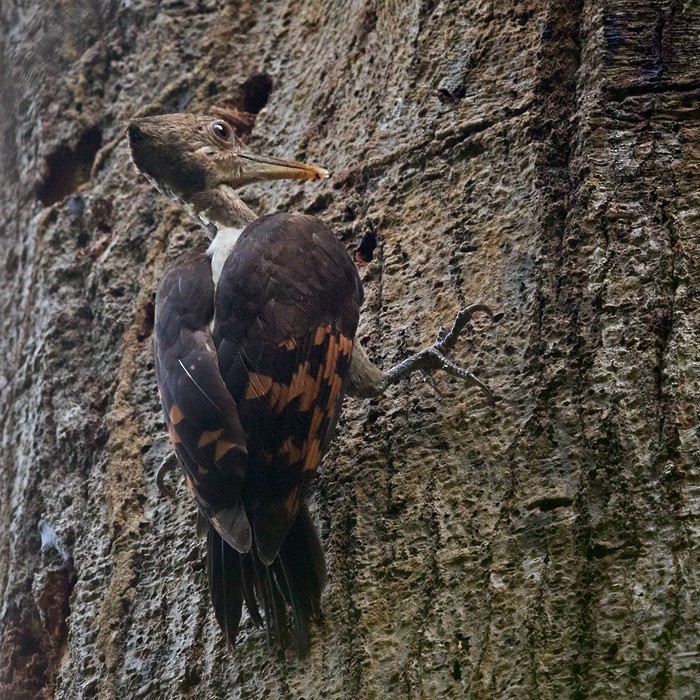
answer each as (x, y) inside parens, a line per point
(169, 464)
(446, 339)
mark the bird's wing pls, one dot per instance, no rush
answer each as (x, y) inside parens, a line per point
(291, 404)
(200, 413)
(285, 356)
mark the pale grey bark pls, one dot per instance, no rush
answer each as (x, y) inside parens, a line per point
(541, 157)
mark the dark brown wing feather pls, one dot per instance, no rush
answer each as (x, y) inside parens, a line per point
(287, 309)
(200, 413)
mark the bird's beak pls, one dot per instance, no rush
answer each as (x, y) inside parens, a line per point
(255, 168)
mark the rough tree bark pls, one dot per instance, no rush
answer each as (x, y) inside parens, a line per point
(539, 156)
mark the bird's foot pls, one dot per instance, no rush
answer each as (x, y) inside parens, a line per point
(435, 356)
(169, 464)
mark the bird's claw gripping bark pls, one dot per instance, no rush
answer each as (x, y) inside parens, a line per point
(446, 339)
(434, 356)
(169, 464)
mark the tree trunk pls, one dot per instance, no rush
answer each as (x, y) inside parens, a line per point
(538, 156)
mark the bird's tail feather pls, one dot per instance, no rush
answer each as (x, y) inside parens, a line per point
(225, 584)
(295, 579)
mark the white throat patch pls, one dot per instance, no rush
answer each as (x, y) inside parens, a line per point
(220, 249)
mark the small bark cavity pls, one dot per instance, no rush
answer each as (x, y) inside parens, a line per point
(68, 168)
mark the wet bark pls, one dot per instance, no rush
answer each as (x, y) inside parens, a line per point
(541, 157)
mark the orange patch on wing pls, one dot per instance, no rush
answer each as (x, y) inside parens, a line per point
(222, 447)
(302, 383)
(308, 387)
(335, 381)
(174, 437)
(208, 436)
(191, 483)
(310, 395)
(313, 442)
(282, 394)
(175, 414)
(258, 385)
(313, 456)
(345, 345)
(289, 344)
(202, 470)
(321, 333)
(331, 360)
(302, 377)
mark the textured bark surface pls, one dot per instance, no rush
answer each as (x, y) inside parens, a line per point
(538, 156)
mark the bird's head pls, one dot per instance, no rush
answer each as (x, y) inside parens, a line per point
(200, 161)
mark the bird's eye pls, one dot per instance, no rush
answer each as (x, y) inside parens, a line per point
(221, 130)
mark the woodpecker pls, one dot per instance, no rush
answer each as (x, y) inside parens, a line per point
(255, 348)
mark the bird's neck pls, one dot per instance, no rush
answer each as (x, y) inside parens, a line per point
(224, 215)
(221, 208)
